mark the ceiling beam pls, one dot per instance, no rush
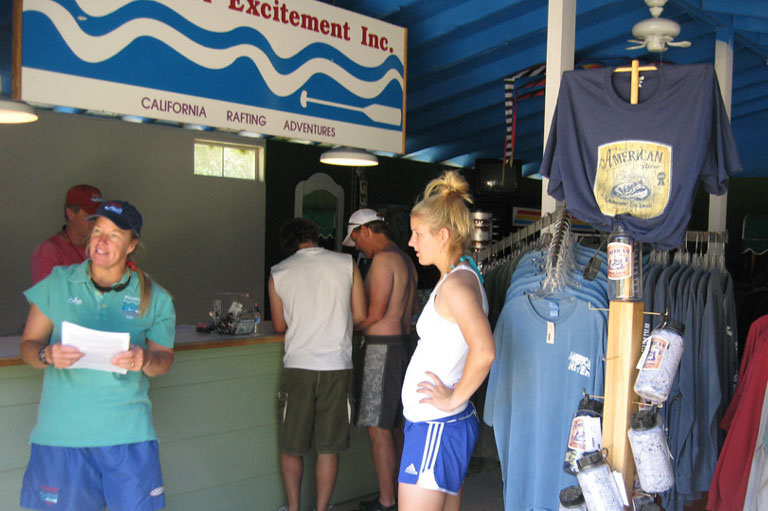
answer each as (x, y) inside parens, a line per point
(464, 19)
(734, 7)
(485, 70)
(530, 118)
(513, 35)
(744, 110)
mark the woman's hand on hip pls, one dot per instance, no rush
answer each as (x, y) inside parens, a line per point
(438, 395)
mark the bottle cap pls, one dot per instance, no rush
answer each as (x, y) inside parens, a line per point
(590, 404)
(676, 326)
(643, 420)
(588, 459)
(571, 496)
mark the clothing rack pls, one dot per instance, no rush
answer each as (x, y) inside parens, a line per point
(556, 257)
(521, 235)
(518, 237)
(706, 237)
(563, 227)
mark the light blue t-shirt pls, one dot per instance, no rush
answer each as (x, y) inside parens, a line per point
(85, 407)
(538, 382)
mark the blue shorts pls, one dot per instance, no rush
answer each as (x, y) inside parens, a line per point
(436, 453)
(122, 477)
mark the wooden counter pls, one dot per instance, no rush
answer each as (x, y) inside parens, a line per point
(187, 338)
(215, 418)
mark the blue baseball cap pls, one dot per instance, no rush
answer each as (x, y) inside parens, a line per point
(123, 214)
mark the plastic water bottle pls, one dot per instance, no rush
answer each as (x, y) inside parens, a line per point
(659, 362)
(584, 435)
(597, 484)
(625, 268)
(651, 453)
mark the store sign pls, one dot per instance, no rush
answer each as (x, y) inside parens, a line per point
(293, 68)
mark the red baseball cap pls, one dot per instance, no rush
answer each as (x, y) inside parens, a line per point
(86, 196)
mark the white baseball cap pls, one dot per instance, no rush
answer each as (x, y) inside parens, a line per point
(358, 218)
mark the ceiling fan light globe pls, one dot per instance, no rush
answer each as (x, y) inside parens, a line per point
(656, 44)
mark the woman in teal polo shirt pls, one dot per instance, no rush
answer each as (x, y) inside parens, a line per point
(94, 445)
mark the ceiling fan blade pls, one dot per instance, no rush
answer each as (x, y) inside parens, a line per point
(636, 41)
(638, 47)
(680, 44)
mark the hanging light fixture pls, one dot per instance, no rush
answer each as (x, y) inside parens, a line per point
(350, 157)
(15, 112)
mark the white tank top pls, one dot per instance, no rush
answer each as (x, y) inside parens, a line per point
(315, 286)
(441, 350)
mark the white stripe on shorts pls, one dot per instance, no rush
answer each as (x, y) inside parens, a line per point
(431, 449)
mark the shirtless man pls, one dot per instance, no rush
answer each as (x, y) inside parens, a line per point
(390, 286)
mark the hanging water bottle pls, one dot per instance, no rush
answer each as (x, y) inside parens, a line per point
(659, 361)
(585, 434)
(625, 268)
(571, 499)
(597, 484)
(651, 453)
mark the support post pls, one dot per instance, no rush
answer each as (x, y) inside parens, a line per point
(718, 204)
(625, 336)
(561, 41)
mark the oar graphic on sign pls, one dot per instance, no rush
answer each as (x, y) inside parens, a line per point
(378, 113)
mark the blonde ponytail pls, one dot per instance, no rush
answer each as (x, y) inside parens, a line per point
(145, 282)
(445, 206)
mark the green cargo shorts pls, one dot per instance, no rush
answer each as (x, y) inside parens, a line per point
(314, 402)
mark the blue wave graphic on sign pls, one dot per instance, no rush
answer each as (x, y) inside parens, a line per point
(148, 44)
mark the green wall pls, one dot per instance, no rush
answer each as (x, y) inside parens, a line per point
(214, 414)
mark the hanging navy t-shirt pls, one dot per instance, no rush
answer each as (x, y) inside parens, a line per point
(639, 164)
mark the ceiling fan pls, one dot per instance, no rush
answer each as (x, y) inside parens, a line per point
(656, 34)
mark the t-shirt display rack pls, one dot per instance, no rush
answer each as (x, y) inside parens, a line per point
(558, 223)
(625, 332)
(625, 318)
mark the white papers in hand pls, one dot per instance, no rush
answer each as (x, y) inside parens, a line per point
(99, 347)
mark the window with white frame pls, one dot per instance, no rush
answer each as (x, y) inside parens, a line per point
(237, 161)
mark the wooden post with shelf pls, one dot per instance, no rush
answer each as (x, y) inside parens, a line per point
(625, 336)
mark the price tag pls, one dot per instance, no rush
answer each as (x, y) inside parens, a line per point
(550, 332)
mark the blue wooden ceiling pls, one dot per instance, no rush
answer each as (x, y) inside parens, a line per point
(460, 51)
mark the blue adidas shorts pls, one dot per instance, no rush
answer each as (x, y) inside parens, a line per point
(436, 453)
(122, 477)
